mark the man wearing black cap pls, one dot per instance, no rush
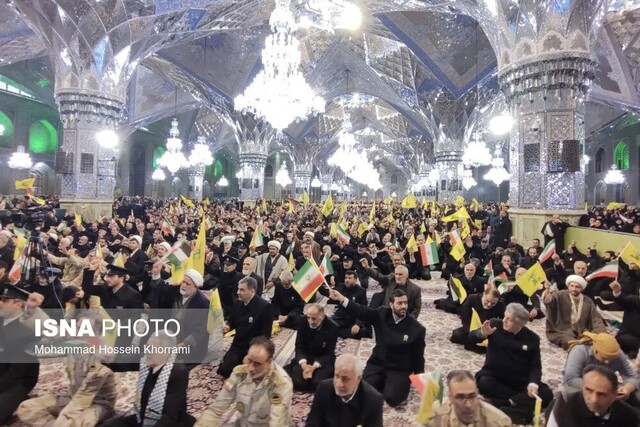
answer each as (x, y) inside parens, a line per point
(228, 280)
(349, 326)
(18, 369)
(243, 252)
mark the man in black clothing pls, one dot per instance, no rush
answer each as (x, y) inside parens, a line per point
(251, 317)
(348, 324)
(315, 348)
(228, 279)
(629, 335)
(286, 302)
(472, 284)
(555, 230)
(162, 402)
(502, 230)
(346, 401)
(597, 405)
(488, 306)
(400, 343)
(18, 369)
(512, 373)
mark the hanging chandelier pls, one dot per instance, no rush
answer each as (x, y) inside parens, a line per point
(614, 176)
(279, 93)
(158, 175)
(282, 177)
(173, 159)
(201, 154)
(315, 183)
(223, 182)
(476, 154)
(467, 179)
(497, 174)
(20, 159)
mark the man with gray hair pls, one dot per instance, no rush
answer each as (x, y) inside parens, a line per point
(346, 400)
(398, 280)
(511, 377)
(286, 302)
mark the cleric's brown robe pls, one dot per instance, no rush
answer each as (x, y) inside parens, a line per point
(559, 329)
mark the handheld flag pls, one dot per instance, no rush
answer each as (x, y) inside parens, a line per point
(326, 268)
(459, 201)
(488, 269)
(610, 271)
(362, 228)
(179, 254)
(429, 253)
(460, 214)
(200, 250)
(458, 292)
(118, 261)
(188, 203)
(21, 243)
(548, 251)
(305, 198)
(433, 391)
(25, 183)
(327, 207)
(532, 279)
(477, 324)
(166, 226)
(257, 239)
(412, 245)
(307, 281)
(343, 236)
(215, 318)
(630, 254)
(537, 410)
(291, 263)
(458, 251)
(388, 200)
(409, 202)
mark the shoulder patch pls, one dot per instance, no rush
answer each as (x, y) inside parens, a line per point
(275, 399)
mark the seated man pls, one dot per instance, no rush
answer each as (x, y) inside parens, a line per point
(19, 369)
(488, 306)
(315, 348)
(597, 404)
(472, 284)
(400, 343)
(629, 334)
(512, 372)
(161, 396)
(346, 401)
(398, 280)
(600, 349)
(260, 390)
(286, 302)
(250, 317)
(515, 294)
(463, 406)
(569, 313)
(90, 398)
(348, 324)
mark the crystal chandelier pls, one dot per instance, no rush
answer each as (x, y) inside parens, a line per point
(315, 183)
(467, 179)
(173, 159)
(158, 175)
(107, 138)
(500, 125)
(282, 177)
(201, 154)
(497, 174)
(434, 177)
(20, 159)
(280, 94)
(223, 182)
(614, 176)
(476, 154)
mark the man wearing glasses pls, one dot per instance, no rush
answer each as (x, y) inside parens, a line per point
(463, 407)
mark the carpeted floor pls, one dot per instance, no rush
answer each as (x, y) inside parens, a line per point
(440, 353)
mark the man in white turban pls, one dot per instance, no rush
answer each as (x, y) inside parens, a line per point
(569, 313)
(269, 266)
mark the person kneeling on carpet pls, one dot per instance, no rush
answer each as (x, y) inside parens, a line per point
(487, 305)
(260, 390)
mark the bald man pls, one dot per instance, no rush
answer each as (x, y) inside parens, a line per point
(346, 400)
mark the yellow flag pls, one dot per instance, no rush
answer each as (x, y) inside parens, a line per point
(264, 206)
(372, 214)
(177, 273)
(612, 205)
(343, 208)
(532, 279)
(305, 198)
(362, 228)
(205, 202)
(474, 204)
(477, 223)
(200, 212)
(327, 207)
(78, 220)
(292, 263)
(215, 318)
(388, 200)
(459, 201)
(198, 254)
(187, 202)
(425, 205)
(457, 251)
(21, 243)
(409, 202)
(537, 410)
(118, 261)
(458, 215)
(630, 254)
(390, 217)
(438, 238)
(465, 229)
(476, 324)
(411, 244)
(99, 251)
(38, 200)
(423, 228)
(433, 391)
(25, 183)
(458, 292)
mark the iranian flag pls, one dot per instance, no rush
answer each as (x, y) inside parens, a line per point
(180, 253)
(166, 227)
(16, 271)
(257, 239)
(610, 271)
(343, 236)
(307, 281)
(429, 253)
(326, 268)
(488, 269)
(548, 251)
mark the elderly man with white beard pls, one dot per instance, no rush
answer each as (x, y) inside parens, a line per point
(569, 313)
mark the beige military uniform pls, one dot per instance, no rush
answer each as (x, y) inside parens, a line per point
(486, 416)
(91, 398)
(267, 403)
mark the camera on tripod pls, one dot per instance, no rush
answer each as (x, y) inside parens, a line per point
(31, 219)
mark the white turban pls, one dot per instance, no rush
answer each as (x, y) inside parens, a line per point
(195, 277)
(275, 244)
(576, 279)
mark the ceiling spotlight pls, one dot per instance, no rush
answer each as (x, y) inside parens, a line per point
(501, 124)
(107, 138)
(351, 17)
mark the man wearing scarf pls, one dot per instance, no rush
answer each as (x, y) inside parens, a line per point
(569, 313)
(161, 391)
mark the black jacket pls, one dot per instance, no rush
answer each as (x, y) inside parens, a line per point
(250, 321)
(328, 409)
(571, 411)
(317, 345)
(174, 410)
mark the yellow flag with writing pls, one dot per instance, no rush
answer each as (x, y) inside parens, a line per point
(459, 201)
(198, 254)
(362, 228)
(476, 324)
(458, 251)
(188, 203)
(630, 254)
(215, 318)
(531, 280)
(21, 243)
(465, 229)
(409, 202)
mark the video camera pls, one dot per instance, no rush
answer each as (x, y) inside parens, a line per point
(31, 219)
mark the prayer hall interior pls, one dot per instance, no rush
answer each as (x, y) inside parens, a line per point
(421, 187)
